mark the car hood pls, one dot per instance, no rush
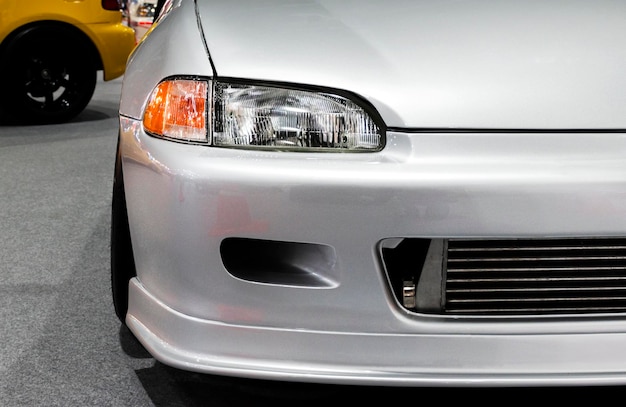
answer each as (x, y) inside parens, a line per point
(437, 64)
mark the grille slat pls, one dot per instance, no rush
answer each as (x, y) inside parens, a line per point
(543, 300)
(528, 290)
(537, 269)
(536, 249)
(543, 276)
(535, 311)
(544, 258)
(531, 279)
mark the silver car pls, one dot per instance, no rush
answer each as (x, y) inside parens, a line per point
(397, 193)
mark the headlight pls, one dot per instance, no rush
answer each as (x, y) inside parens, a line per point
(238, 115)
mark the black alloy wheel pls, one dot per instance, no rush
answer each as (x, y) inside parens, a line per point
(49, 76)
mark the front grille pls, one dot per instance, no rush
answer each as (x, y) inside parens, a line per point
(545, 276)
(509, 276)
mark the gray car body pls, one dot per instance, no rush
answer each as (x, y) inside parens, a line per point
(503, 120)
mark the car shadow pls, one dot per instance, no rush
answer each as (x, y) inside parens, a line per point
(90, 114)
(94, 115)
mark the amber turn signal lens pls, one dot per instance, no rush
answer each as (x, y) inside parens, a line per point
(178, 109)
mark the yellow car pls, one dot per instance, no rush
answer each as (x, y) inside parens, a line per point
(51, 52)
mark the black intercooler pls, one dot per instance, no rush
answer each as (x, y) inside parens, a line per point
(508, 276)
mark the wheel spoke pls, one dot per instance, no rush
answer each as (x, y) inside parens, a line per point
(49, 97)
(65, 82)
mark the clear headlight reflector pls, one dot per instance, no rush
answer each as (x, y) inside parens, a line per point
(262, 116)
(259, 117)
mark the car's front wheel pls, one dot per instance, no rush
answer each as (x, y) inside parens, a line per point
(122, 259)
(48, 75)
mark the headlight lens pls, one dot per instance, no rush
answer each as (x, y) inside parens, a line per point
(263, 116)
(260, 117)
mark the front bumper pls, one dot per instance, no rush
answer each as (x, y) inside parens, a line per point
(190, 312)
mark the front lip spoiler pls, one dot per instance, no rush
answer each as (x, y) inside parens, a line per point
(294, 355)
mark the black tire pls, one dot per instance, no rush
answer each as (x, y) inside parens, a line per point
(48, 75)
(122, 259)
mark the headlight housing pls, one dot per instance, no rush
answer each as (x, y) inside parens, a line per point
(244, 115)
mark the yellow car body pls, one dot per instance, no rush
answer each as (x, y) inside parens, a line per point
(102, 36)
